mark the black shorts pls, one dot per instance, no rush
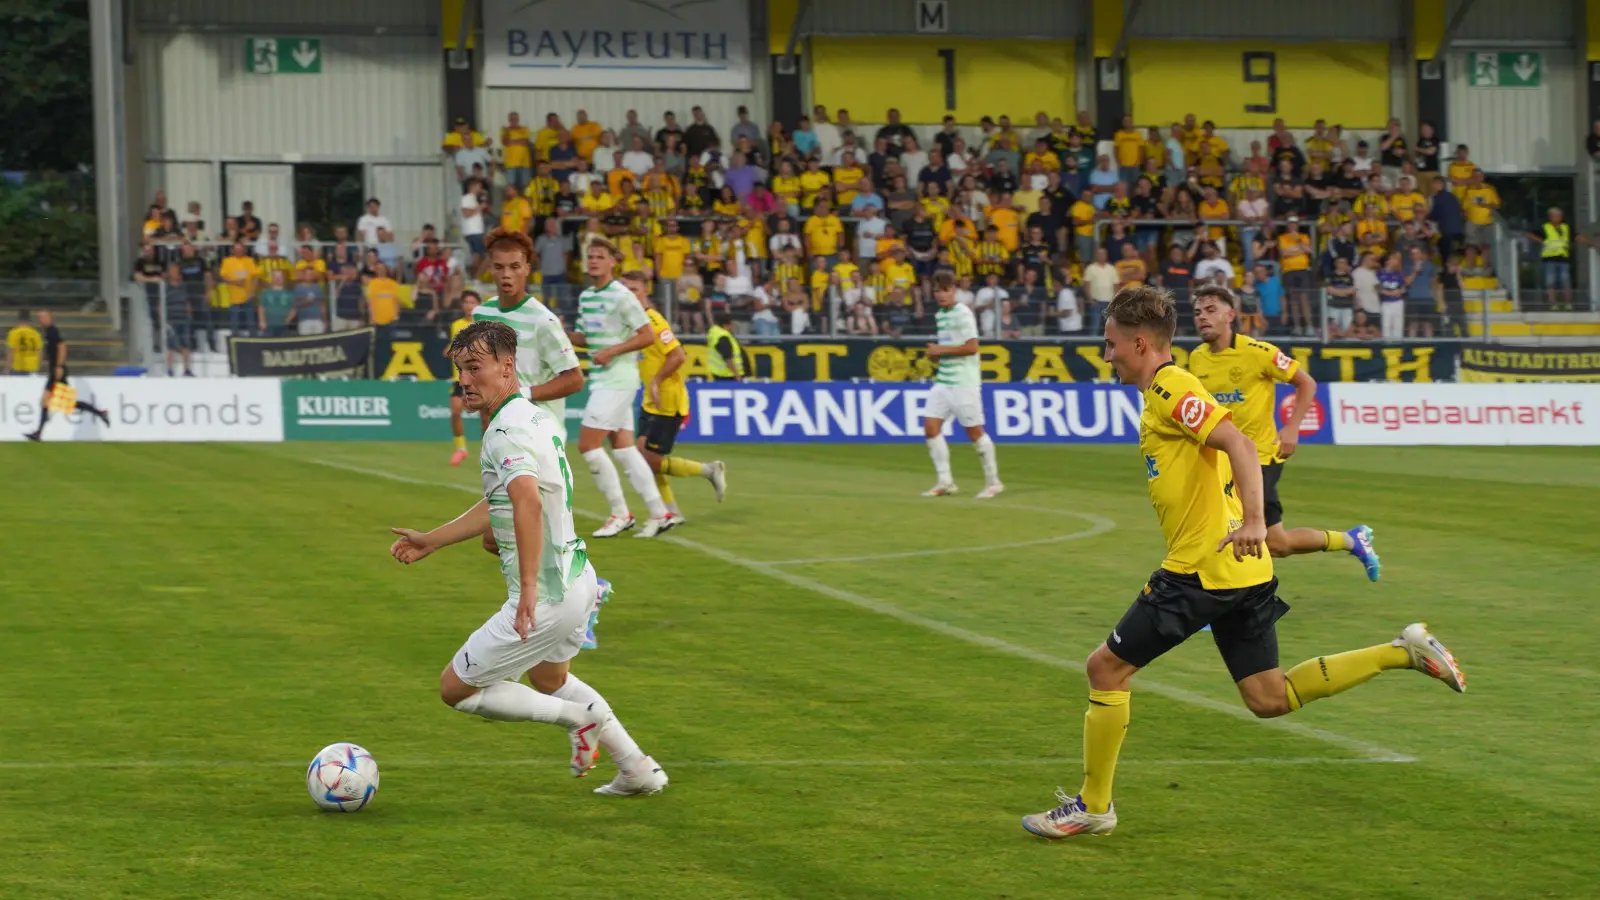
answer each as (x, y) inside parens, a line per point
(50, 378)
(1271, 505)
(1173, 607)
(660, 432)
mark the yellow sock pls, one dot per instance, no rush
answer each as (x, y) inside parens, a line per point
(461, 442)
(1104, 726)
(666, 490)
(678, 467)
(1333, 541)
(1324, 676)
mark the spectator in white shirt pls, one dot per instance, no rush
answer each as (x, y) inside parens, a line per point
(467, 157)
(1254, 209)
(1069, 313)
(368, 225)
(1100, 284)
(1212, 265)
(264, 242)
(868, 230)
(638, 159)
(473, 203)
(989, 301)
(848, 145)
(912, 158)
(783, 238)
(1364, 163)
(958, 158)
(828, 136)
(1365, 278)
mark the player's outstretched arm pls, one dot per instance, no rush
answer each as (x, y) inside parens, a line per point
(1305, 392)
(564, 385)
(1250, 538)
(413, 546)
(527, 518)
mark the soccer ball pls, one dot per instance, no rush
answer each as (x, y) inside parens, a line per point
(342, 778)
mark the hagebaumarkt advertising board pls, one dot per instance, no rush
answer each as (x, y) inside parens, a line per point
(1466, 414)
(150, 409)
(674, 45)
(888, 413)
(378, 411)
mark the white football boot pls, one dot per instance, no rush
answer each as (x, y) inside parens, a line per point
(655, 526)
(1070, 818)
(942, 489)
(647, 778)
(675, 518)
(716, 472)
(585, 740)
(990, 491)
(1430, 657)
(614, 526)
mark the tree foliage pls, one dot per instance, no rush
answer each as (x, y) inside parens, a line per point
(46, 85)
(49, 228)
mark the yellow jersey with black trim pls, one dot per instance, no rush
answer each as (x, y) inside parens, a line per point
(455, 329)
(1244, 378)
(1191, 485)
(26, 346)
(674, 392)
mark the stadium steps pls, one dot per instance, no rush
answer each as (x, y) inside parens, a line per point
(1539, 325)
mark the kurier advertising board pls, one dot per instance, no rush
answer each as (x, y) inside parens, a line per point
(150, 409)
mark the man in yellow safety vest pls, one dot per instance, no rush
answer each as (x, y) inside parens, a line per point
(724, 357)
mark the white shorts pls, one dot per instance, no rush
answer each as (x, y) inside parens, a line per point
(495, 652)
(964, 404)
(610, 410)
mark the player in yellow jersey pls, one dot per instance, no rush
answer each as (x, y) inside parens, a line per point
(1242, 373)
(665, 406)
(469, 302)
(1204, 480)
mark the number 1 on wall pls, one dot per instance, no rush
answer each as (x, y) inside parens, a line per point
(949, 57)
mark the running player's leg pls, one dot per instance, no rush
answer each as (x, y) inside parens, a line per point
(643, 480)
(647, 426)
(938, 409)
(1166, 612)
(457, 428)
(968, 403)
(1290, 542)
(598, 414)
(658, 436)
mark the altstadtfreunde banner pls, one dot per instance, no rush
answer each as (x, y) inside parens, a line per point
(1495, 362)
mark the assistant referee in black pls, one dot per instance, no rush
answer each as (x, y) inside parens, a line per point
(55, 357)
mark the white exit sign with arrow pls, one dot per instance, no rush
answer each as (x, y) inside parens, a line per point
(1514, 69)
(283, 56)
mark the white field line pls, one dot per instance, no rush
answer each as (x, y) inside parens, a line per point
(1098, 525)
(553, 763)
(1182, 695)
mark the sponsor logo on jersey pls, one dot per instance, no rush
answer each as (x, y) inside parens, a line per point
(507, 462)
(1281, 361)
(1234, 396)
(1191, 412)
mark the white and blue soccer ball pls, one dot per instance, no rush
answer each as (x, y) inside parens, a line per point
(342, 778)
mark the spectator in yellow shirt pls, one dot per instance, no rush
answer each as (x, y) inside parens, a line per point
(671, 250)
(1041, 158)
(847, 178)
(1129, 150)
(813, 181)
(1006, 221)
(238, 273)
(383, 298)
(518, 153)
(586, 135)
(1460, 173)
(1479, 203)
(548, 136)
(597, 200)
(1372, 233)
(516, 213)
(1407, 202)
(463, 138)
(1082, 214)
(823, 232)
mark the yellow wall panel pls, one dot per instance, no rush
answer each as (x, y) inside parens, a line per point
(1247, 84)
(927, 78)
(1427, 25)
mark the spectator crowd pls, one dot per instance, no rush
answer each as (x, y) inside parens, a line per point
(833, 227)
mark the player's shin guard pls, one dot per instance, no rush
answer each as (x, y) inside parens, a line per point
(678, 467)
(664, 485)
(605, 478)
(1104, 726)
(642, 479)
(1324, 676)
(509, 701)
(939, 452)
(991, 468)
(614, 738)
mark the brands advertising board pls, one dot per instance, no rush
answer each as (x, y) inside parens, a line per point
(1466, 414)
(151, 409)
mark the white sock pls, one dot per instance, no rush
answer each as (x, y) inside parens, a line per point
(940, 451)
(605, 478)
(642, 479)
(510, 701)
(622, 747)
(991, 468)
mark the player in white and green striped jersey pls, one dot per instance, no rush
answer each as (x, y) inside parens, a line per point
(547, 367)
(614, 327)
(956, 392)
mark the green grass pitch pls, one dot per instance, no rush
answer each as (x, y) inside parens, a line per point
(183, 626)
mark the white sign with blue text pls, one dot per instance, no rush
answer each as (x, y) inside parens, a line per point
(684, 45)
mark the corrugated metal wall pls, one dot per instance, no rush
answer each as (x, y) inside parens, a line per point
(1349, 20)
(1516, 20)
(968, 18)
(202, 13)
(1518, 129)
(414, 196)
(376, 97)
